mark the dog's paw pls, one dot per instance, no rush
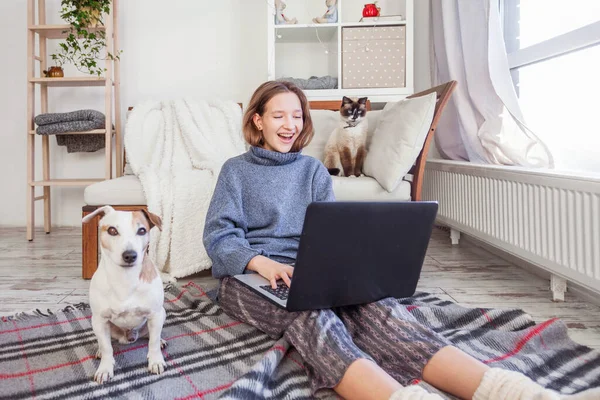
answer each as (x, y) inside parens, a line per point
(163, 344)
(156, 364)
(104, 372)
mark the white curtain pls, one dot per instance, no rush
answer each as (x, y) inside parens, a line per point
(483, 122)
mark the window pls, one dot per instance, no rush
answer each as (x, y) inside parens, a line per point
(554, 55)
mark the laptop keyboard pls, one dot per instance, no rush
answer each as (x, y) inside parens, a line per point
(281, 292)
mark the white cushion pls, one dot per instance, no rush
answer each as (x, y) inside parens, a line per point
(398, 139)
(123, 191)
(365, 188)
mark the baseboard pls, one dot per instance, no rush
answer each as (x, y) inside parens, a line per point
(577, 290)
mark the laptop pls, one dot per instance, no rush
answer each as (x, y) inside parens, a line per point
(353, 253)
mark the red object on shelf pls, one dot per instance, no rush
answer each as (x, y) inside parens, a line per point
(370, 10)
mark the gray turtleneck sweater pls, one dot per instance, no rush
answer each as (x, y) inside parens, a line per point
(258, 207)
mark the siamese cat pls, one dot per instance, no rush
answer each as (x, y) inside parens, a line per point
(345, 150)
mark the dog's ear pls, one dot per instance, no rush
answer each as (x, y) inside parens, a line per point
(102, 210)
(153, 219)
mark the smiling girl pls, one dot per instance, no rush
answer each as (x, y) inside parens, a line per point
(254, 222)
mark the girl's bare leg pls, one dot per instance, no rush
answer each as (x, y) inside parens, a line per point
(454, 371)
(366, 380)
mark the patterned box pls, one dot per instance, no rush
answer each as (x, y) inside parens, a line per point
(373, 57)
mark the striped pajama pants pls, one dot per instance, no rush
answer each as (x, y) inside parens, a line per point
(330, 340)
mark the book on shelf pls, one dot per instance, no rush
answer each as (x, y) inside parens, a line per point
(383, 18)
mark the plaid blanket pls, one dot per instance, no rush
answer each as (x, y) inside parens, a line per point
(209, 355)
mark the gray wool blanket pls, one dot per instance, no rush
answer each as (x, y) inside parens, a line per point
(209, 355)
(75, 121)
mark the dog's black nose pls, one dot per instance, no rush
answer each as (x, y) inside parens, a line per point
(129, 256)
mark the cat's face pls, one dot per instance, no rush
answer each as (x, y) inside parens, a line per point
(353, 111)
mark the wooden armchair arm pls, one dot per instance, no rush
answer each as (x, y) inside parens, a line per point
(444, 92)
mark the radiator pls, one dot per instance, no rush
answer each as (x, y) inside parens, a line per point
(549, 219)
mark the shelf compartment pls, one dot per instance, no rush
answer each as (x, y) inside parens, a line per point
(58, 31)
(66, 182)
(71, 81)
(305, 33)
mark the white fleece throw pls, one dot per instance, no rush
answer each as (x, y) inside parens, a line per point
(176, 148)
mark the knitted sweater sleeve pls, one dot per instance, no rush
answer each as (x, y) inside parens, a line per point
(224, 234)
(322, 185)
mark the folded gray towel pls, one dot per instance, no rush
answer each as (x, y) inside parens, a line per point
(81, 143)
(79, 115)
(75, 121)
(323, 82)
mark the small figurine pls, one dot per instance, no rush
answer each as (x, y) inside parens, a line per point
(331, 16)
(280, 18)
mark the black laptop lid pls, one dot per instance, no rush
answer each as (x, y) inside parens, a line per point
(360, 252)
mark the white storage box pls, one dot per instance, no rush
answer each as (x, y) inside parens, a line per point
(373, 57)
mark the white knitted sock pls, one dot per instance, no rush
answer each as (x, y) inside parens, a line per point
(502, 384)
(414, 393)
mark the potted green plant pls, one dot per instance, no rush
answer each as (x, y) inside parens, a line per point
(84, 46)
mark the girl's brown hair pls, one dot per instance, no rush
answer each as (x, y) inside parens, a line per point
(258, 102)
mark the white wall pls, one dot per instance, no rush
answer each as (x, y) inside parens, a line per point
(171, 49)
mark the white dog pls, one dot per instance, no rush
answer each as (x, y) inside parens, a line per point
(126, 292)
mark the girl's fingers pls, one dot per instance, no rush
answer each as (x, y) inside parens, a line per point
(284, 273)
(286, 278)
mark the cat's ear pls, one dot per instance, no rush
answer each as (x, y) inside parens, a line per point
(346, 100)
(362, 100)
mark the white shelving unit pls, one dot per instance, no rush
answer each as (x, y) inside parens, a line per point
(307, 49)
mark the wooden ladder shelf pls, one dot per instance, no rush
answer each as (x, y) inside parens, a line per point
(36, 26)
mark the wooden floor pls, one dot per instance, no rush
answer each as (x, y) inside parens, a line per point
(46, 274)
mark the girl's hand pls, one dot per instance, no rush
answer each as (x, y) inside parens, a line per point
(271, 270)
